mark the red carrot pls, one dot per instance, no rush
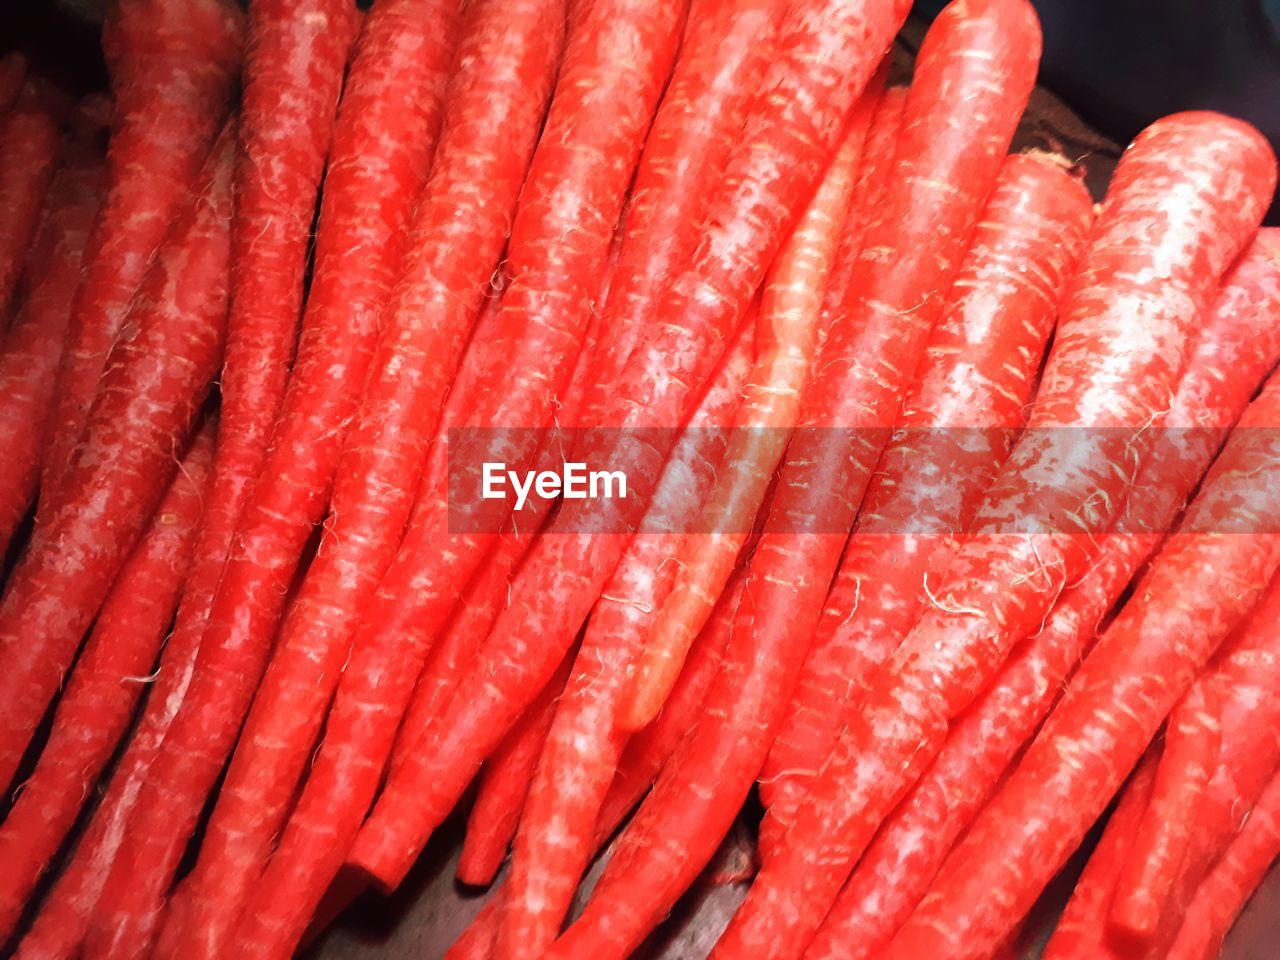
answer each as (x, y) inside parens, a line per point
(294, 64)
(1082, 930)
(863, 367)
(452, 252)
(504, 784)
(109, 677)
(156, 379)
(31, 348)
(173, 64)
(999, 587)
(1239, 344)
(1192, 739)
(824, 57)
(1232, 881)
(1133, 677)
(232, 650)
(787, 330)
(555, 839)
(958, 424)
(30, 148)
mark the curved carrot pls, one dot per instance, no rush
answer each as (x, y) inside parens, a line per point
(787, 328)
(1240, 343)
(555, 838)
(1001, 583)
(109, 677)
(156, 378)
(173, 66)
(504, 785)
(30, 150)
(31, 348)
(958, 422)
(1134, 676)
(824, 58)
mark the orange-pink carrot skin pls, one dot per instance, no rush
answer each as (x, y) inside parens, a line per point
(398, 71)
(108, 679)
(722, 57)
(1192, 739)
(156, 378)
(173, 67)
(874, 171)
(1232, 881)
(555, 839)
(1239, 344)
(1134, 676)
(786, 337)
(1082, 930)
(30, 149)
(32, 347)
(491, 122)
(978, 372)
(504, 786)
(1104, 375)
(294, 63)
(824, 57)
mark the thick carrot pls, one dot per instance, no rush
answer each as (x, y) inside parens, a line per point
(1134, 676)
(156, 378)
(787, 330)
(555, 839)
(824, 58)
(31, 348)
(1231, 883)
(1239, 344)
(504, 785)
(30, 150)
(109, 677)
(1082, 930)
(1058, 489)
(173, 65)
(958, 423)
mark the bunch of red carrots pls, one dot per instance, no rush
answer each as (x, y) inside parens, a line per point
(950, 524)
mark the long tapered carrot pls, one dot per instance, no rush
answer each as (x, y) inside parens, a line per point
(1239, 344)
(1082, 930)
(1231, 883)
(156, 378)
(556, 837)
(108, 679)
(1057, 490)
(173, 65)
(30, 149)
(825, 56)
(393, 75)
(31, 349)
(864, 366)
(958, 422)
(294, 63)
(457, 239)
(504, 785)
(1134, 676)
(787, 333)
